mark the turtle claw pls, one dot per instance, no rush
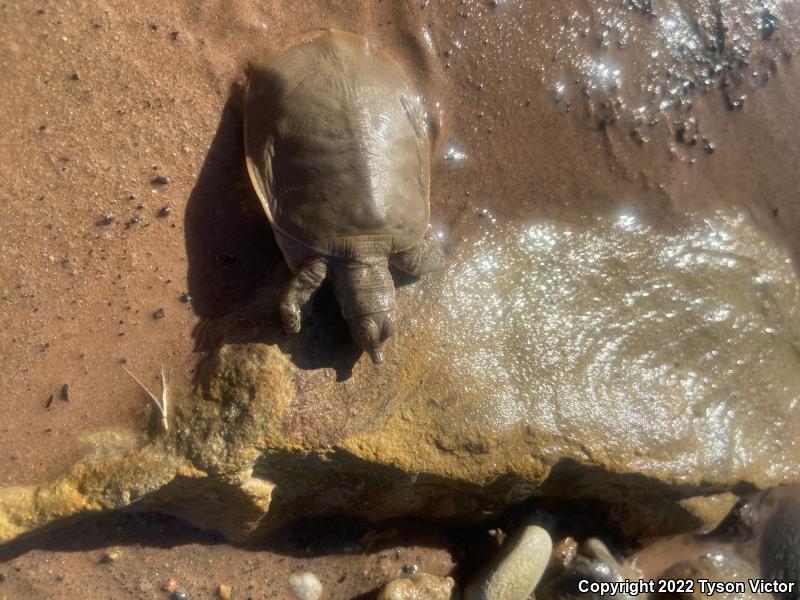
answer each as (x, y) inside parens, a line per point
(291, 320)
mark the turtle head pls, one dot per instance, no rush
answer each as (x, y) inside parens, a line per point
(365, 292)
(370, 331)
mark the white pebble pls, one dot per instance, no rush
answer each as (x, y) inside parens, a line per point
(306, 586)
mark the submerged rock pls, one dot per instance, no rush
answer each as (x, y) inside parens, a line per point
(779, 540)
(732, 572)
(604, 362)
(592, 566)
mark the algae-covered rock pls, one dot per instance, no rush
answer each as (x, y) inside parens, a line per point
(606, 362)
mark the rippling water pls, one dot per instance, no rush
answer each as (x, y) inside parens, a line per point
(647, 338)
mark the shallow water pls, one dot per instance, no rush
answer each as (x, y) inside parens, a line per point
(681, 342)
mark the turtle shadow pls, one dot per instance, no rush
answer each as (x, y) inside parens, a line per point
(236, 271)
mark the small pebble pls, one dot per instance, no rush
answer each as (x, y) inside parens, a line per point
(160, 180)
(224, 591)
(134, 220)
(564, 552)
(736, 103)
(186, 297)
(165, 211)
(65, 392)
(179, 596)
(159, 314)
(420, 586)
(306, 586)
(410, 569)
(170, 585)
(107, 219)
(49, 401)
(109, 556)
(174, 35)
(75, 76)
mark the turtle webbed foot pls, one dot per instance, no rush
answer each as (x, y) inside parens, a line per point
(424, 257)
(303, 285)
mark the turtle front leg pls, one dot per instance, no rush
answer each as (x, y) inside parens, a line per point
(424, 257)
(301, 288)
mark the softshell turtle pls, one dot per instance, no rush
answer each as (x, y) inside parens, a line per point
(337, 150)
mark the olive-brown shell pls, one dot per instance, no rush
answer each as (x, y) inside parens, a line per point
(337, 147)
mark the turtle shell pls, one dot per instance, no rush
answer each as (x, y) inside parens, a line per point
(337, 148)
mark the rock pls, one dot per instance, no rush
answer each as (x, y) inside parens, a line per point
(564, 552)
(420, 586)
(170, 585)
(97, 485)
(716, 567)
(224, 591)
(779, 540)
(659, 374)
(306, 586)
(517, 568)
(710, 510)
(591, 563)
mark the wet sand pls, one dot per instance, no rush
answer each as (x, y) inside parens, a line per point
(101, 97)
(350, 558)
